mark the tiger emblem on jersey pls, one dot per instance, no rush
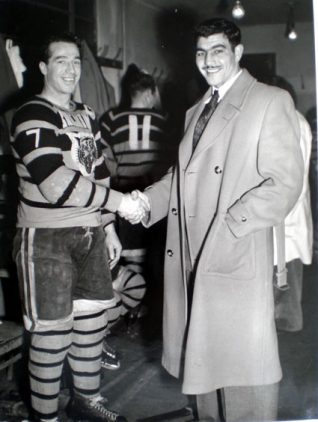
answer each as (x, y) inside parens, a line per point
(84, 152)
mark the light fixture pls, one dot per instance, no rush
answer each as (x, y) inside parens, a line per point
(290, 31)
(292, 35)
(238, 10)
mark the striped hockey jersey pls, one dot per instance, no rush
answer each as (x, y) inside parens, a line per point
(138, 142)
(63, 177)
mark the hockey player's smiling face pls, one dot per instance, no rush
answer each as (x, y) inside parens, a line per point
(63, 69)
(216, 60)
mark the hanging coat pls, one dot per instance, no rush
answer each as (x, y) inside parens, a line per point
(244, 177)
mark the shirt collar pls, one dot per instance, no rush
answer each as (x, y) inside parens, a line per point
(225, 87)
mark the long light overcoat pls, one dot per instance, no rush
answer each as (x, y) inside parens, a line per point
(243, 178)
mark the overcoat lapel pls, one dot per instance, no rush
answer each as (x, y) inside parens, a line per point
(228, 108)
(185, 150)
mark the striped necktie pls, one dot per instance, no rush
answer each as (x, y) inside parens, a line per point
(207, 112)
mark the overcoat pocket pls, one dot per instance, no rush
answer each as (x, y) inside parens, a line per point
(227, 256)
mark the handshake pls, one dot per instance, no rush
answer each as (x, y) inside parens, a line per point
(134, 207)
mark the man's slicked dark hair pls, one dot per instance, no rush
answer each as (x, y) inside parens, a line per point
(67, 37)
(219, 26)
(140, 81)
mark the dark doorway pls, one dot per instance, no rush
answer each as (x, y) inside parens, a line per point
(261, 66)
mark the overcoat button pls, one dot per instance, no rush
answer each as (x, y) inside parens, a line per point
(217, 170)
(174, 211)
(243, 219)
(169, 252)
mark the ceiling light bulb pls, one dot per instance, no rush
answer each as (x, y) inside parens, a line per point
(290, 31)
(238, 10)
(292, 35)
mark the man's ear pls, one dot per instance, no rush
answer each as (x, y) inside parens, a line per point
(238, 51)
(149, 97)
(43, 68)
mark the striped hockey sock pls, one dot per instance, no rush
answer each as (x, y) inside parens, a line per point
(86, 350)
(47, 353)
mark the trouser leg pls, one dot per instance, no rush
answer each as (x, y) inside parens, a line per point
(207, 406)
(252, 404)
(240, 404)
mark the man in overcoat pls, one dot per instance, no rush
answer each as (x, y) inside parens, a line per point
(222, 200)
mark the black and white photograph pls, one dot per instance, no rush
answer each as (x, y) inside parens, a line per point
(158, 210)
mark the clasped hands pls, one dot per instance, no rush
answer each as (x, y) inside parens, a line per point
(134, 207)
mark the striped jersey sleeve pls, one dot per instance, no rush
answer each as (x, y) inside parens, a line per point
(59, 156)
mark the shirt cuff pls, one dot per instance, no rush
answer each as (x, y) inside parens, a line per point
(107, 218)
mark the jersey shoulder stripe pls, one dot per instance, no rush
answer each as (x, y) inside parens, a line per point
(35, 113)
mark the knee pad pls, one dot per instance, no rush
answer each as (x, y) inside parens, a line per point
(42, 325)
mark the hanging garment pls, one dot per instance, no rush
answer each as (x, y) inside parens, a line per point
(8, 88)
(16, 61)
(94, 89)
